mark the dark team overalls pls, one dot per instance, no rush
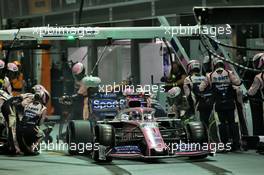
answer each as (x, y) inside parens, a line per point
(28, 133)
(204, 100)
(224, 96)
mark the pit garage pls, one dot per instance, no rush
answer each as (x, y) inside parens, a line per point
(131, 87)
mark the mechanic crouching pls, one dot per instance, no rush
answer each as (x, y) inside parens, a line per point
(202, 102)
(23, 115)
(28, 133)
(221, 81)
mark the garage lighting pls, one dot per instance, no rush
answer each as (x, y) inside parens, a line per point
(71, 37)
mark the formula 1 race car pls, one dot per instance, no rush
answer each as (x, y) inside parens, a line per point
(137, 133)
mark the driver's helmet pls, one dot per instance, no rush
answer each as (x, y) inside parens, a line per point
(135, 115)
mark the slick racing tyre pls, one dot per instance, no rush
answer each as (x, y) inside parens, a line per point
(104, 136)
(79, 132)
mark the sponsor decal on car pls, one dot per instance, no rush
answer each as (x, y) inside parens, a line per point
(127, 149)
(107, 104)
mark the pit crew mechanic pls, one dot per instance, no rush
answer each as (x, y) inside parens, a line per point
(87, 85)
(13, 112)
(12, 72)
(176, 77)
(18, 82)
(28, 133)
(201, 102)
(257, 91)
(221, 82)
(78, 72)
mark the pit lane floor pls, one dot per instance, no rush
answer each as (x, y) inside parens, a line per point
(59, 163)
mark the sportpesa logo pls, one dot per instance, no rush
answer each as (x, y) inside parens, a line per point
(107, 104)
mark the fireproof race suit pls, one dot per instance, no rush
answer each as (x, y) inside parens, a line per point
(12, 108)
(200, 101)
(28, 132)
(221, 82)
(257, 91)
(5, 85)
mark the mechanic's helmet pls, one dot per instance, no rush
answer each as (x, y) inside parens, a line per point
(41, 97)
(78, 71)
(193, 66)
(90, 81)
(218, 64)
(41, 94)
(174, 92)
(37, 88)
(18, 64)
(2, 66)
(258, 61)
(12, 71)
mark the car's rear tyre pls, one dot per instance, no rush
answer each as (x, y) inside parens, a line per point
(79, 132)
(105, 136)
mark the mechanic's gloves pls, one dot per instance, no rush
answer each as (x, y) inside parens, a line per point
(66, 99)
(17, 100)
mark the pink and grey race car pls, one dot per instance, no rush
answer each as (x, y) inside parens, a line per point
(136, 133)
